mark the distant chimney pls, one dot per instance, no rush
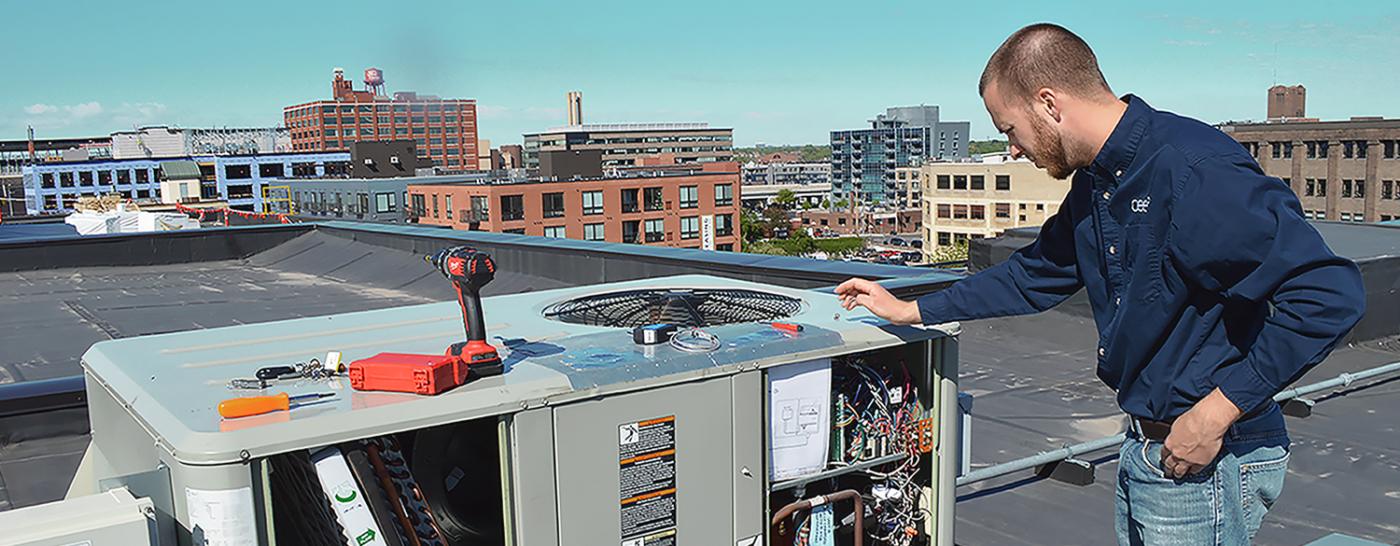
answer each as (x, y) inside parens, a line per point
(575, 107)
(1287, 102)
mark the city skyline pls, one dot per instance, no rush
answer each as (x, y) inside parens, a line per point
(778, 74)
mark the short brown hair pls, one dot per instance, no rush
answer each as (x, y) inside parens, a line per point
(1045, 55)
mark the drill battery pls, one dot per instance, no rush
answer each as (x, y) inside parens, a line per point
(404, 372)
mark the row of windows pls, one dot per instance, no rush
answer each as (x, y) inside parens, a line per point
(1319, 149)
(979, 212)
(1351, 188)
(465, 108)
(631, 229)
(52, 203)
(945, 238)
(633, 200)
(975, 182)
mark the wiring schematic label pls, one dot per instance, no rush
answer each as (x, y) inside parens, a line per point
(647, 481)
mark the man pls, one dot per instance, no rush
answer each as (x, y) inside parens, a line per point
(1210, 291)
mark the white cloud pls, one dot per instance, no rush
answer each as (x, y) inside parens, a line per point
(92, 116)
(84, 110)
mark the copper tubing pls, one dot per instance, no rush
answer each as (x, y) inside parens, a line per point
(380, 470)
(806, 504)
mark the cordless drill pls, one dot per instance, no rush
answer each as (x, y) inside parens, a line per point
(470, 270)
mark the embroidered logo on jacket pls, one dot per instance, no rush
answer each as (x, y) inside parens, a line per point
(1140, 205)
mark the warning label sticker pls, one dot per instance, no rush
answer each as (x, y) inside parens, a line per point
(647, 481)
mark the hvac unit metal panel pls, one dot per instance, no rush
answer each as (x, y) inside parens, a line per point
(587, 450)
(113, 518)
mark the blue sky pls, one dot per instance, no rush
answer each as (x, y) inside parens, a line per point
(777, 72)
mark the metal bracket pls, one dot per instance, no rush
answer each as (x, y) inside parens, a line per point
(1071, 471)
(1298, 407)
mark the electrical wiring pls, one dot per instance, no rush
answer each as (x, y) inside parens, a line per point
(878, 414)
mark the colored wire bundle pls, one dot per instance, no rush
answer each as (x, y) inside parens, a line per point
(873, 420)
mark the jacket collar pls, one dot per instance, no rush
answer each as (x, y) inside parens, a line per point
(1122, 144)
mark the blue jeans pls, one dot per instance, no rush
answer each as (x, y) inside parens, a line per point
(1223, 504)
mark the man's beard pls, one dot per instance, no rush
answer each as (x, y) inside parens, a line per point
(1049, 151)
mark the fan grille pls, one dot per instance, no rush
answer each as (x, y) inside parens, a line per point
(687, 308)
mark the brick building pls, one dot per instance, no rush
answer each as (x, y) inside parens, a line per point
(697, 207)
(852, 222)
(444, 129)
(1341, 170)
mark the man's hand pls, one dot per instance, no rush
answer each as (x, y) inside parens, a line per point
(879, 301)
(1196, 435)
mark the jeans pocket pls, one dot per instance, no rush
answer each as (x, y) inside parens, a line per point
(1262, 472)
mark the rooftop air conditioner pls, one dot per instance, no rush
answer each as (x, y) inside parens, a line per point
(766, 395)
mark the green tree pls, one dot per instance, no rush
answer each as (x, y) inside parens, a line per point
(751, 227)
(956, 252)
(840, 248)
(785, 198)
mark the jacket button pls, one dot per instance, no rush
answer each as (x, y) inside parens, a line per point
(1105, 196)
(1112, 249)
(1118, 173)
(1101, 351)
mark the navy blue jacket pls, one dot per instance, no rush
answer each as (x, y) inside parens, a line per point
(1200, 269)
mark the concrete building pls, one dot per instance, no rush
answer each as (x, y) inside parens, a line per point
(575, 100)
(758, 173)
(1287, 102)
(963, 201)
(161, 141)
(445, 130)
(52, 188)
(380, 200)
(16, 154)
(863, 161)
(907, 186)
(693, 208)
(1345, 171)
(624, 144)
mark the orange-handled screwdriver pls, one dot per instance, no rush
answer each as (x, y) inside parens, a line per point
(258, 405)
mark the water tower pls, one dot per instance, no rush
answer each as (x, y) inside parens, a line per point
(374, 81)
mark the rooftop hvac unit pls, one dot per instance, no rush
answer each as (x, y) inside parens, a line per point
(764, 396)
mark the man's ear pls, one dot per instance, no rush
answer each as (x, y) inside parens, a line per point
(1047, 100)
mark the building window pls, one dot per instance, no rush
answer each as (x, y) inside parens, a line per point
(553, 205)
(1388, 149)
(690, 197)
(1359, 189)
(979, 183)
(1003, 182)
(593, 232)
(512, 207)
(85, 178)
(945, 182)
(724, 195)
(1346, 188)
(384, 202)
(690, 227)
(959, 212)
(1387, 189)
(944, 238)
(724, 225)
(978, 212)
(1003, 210)
(630, 202)
(481, 208)
(417, 204)
(945, 210)
(554, 231)
(1309, 187)
(593, 202)
(652, 199)
(656, 230)
(631, 230)
(435, 205)
(232, 172)
(448, 205)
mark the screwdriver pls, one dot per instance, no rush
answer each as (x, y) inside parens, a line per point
(257, 405)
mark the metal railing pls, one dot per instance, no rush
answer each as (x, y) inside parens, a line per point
(1071, 451)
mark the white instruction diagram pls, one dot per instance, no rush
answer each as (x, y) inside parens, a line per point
(799, 417)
